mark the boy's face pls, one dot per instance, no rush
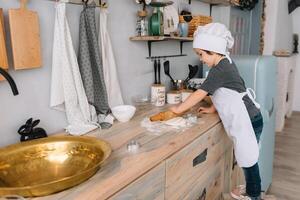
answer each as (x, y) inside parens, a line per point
(208, 59)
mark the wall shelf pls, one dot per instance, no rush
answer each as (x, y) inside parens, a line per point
(160, 38)
(151, 39)
(217, 2)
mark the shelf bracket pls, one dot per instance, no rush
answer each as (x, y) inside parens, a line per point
(211, 5)
(166, 56)
(181, 45)
(150, 47)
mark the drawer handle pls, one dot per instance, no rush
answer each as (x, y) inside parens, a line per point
(203, 195)
(200, 158)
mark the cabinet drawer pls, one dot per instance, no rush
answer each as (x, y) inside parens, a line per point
(209, 186)
(184, 168)
(148, 187)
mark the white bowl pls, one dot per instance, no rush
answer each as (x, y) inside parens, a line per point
(123, 113)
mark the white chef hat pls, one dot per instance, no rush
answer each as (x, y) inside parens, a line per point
(213, 37)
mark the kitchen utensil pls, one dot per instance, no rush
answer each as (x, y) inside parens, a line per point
(133, 146)
(178, 85)
(155, 71)
(160, 3)
(25, 37)
(158, 70)
(195, 83)
(3, 53)
(163, 116)
(171, 19)
(167, 70)
(49, 165)
(156, 23)
(192, 72)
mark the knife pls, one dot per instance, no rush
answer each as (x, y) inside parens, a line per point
(158, 70)
(155, 70)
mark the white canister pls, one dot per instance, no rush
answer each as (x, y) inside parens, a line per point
(158, 94)
(185, 94)
(173, 97)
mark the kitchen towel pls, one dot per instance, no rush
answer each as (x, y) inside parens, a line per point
(109, 65)
(67, 92)
(90, 64)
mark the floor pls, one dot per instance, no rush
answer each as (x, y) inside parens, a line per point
(286, 174)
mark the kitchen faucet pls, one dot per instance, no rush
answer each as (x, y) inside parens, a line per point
(10, 81)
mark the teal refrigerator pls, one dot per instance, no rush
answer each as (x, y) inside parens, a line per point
(260, 74)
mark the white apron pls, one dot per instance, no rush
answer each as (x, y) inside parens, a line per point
(237, 123)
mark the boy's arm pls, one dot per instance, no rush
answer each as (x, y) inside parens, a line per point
(192, 100)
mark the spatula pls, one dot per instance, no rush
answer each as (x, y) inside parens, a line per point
(192, 72)
(155, 71)
(167, 70)
(158, 70)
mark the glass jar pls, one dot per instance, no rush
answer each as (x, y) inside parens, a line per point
(142, 24)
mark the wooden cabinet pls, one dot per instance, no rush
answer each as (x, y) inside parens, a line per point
(198, 171)
(234, 175)
(148, 187)
(185, 168)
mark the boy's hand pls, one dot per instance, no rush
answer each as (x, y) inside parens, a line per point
(207, 110)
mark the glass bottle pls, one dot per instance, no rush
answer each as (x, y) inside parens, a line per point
(142, 23)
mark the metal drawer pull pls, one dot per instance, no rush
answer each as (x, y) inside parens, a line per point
(203, 195)
(200, 158)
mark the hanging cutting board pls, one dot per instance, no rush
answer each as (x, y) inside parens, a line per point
(3, 54)
(25, 37)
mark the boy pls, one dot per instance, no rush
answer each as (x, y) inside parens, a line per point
(234, 103)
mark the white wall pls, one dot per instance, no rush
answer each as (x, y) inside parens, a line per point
(296, 29)
(135, 72)
(278, 27)
(279, 30)
(271, 11)
(284, 32)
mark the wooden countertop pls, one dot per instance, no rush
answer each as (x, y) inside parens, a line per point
(123, 167)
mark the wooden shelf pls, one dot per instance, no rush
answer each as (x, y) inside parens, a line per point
(217, 2)
(150, 39)
(160, 38)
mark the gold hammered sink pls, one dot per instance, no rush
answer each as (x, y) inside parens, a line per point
(45, 166)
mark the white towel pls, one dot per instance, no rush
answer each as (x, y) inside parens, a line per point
(67, 92)
(109, 65)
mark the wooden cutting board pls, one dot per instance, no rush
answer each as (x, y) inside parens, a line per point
(3, 53)
(25, 37)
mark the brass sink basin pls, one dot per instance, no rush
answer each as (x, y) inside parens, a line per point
(45, 166)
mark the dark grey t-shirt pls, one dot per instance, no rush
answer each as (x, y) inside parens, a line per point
(227, 75)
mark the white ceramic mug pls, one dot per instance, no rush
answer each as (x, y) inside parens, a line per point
(185, 94)
(158, 94)
(173, 97)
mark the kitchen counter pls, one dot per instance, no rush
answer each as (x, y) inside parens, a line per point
(123, 167)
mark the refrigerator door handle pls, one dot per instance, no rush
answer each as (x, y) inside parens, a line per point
(272, 109)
